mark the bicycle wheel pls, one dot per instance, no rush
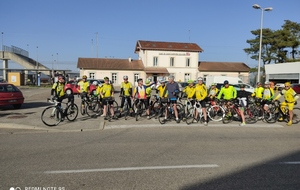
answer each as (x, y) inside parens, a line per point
(228, 116)
(72, 112)
(154, 109)
(296, 118)
(140, 111)
(250, 117)
(51, 116)
(271, 116)
(162, 115)
(190, 116)
(92, 107)
(116, 106)
(216, 113)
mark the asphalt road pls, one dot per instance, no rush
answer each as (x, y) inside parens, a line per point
(153, 158)
(142, 155)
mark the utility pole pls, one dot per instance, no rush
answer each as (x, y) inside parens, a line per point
(97, 43)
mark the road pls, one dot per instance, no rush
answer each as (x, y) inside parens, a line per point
(153, 158)
(142, 155)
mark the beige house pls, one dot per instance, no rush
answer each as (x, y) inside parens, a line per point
(169, 58)
(230, 69)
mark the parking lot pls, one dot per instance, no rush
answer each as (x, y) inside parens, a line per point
(28, 117)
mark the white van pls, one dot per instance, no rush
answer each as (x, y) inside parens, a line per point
(220, 79)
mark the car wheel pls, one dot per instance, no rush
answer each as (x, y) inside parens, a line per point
(17, 106)
(69, 91)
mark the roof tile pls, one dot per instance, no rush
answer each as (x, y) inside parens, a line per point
(223, 66)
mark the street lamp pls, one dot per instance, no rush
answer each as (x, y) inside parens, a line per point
(2, 45)
(256, 6)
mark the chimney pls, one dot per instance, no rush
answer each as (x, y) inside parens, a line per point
(129, 59)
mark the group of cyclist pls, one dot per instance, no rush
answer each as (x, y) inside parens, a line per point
(196, 91)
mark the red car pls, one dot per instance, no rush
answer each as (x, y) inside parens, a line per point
(71, 87)
(296, 88)
(10, 95)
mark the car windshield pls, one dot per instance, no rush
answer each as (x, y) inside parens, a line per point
(8, 88)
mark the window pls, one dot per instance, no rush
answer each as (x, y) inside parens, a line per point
(155, 61)
(92, 75)
(114, 77)
(136, 77)
(171, 61)
(186, 77)
(187, 63)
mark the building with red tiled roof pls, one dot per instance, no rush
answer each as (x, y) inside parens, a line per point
(230, 69)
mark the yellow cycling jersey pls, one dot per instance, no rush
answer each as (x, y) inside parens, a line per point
(126, 88)
(189, 91)
(258, 92)
(268, 94)
(290, 96)
(229, 93)
(59, 89)
(107, 90)
(98, 89)
(161, 90)
(83, 86)
(200, 91)
(148, 91)
(213, 92)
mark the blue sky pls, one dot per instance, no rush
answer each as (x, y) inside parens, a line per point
(69, 28)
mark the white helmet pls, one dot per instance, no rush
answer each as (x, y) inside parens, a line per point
(95, 83)
(125, 77)
(200, 78)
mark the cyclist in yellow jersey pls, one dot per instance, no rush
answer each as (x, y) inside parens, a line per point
(162, 89)
(57, 91)
(258, 91)
(267, 97)
(189, 91)
(107, 92)
(213, 92)
(228, 91)
(290, 97)
(200, 94)
(83, 89)
(126, 91)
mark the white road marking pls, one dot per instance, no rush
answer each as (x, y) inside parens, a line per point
(131, 169)
(290, 163)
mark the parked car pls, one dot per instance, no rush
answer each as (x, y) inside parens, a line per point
(71, 87)
(220, 85)
(10, 95)
(279, 86)
(296, 87)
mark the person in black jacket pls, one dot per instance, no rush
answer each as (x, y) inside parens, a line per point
(242, 96)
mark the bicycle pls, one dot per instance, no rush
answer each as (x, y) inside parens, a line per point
(108, 106)
(125, 110)
(191, 113)
(277, 112)
(233, 113)
(92, 105)
(166, 112)
(139, 108)
(215, 111)
(54, 114)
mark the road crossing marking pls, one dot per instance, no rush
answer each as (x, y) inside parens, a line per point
(132, 169)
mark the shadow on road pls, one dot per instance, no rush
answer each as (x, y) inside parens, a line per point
(280, 173)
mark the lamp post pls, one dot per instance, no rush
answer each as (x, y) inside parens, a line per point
(256, 6)
(2, 45)
(56, 61)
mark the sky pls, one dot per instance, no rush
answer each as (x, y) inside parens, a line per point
(58, 32)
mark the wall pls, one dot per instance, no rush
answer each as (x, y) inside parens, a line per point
(242, 75)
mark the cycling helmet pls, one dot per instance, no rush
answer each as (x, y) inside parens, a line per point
(147, 81)
(190, 81)
(258, 83)
(226, 82)
(95, 83)
(106, 78)
(61, 79)
(84, 77)
(213, 84)
(287, 84)
(242, 86)
(200, 78)
(267, 83)
(125, 77)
